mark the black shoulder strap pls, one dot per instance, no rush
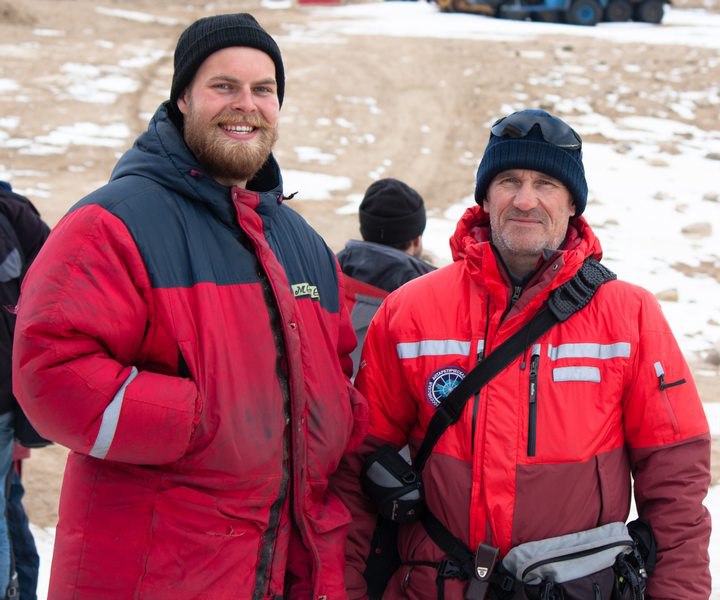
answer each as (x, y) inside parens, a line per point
(565, 301)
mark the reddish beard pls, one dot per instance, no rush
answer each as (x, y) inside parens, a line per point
(226, 159)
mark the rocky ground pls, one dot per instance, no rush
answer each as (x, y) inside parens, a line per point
(66, 55)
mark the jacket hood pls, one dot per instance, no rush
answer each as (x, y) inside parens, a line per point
(379, 265)
(471, 243)
(160, 154)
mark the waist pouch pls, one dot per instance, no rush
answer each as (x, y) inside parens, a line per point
(598, 564)
(393, 485)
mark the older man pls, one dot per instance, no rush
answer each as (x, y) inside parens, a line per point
(548, 446)
(184, 333)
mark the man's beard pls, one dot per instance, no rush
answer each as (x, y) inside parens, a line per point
(225, 159)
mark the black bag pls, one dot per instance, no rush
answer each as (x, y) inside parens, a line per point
(602, 563)
(384, 558)
(393, 485)
(396, 490)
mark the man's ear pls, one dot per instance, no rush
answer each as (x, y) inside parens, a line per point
(485, 205)
(182, 101)
(415, 246)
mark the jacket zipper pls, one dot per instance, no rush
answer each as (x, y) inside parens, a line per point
(263, 573)
(533, 395)
(480, 358)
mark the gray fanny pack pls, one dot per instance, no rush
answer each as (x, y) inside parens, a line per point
(596, 563)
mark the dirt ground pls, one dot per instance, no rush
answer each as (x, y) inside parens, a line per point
(423, 104)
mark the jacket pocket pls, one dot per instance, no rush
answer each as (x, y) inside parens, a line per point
(664, 387)
(328, 515)
(191, 539)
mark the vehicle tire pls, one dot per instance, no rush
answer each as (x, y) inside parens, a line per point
(585, 12)
(650, 11)
(618, 10)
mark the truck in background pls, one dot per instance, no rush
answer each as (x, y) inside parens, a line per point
(574, 12)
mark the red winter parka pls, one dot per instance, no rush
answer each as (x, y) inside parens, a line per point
(614, 397)
(189, 343)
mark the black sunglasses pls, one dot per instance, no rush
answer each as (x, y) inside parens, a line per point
(554, 130)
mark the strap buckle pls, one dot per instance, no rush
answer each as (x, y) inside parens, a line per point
(447, 569)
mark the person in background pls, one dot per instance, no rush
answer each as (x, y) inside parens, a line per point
(184, 333)
(25, 553)
(600, 406)
(392, 222)
(22, 233)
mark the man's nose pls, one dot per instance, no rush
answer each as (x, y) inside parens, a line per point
(526, 197)
(243, 100)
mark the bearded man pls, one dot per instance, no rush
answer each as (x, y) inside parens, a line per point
(184, 334)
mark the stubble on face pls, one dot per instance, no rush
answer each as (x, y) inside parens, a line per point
(227, 160)
(519, 243)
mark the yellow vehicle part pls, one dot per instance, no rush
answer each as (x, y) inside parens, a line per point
(464, 6)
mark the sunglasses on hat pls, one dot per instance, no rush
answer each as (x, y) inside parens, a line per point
(554, 131)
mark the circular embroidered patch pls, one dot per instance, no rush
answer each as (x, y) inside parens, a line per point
(441, 383)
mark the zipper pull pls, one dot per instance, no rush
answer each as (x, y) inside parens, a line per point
(660, 372)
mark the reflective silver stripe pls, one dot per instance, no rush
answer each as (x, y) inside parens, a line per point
(110, 420)
(577, 374)
(535, 350)
(481, 347)
(603, 351)
(432, 348)
(659, 371)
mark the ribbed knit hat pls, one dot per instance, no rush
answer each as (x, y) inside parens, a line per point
(391, 213)
(533, 152)
(211, 34)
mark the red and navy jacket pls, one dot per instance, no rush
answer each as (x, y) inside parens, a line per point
(615, 411)
(189, 343)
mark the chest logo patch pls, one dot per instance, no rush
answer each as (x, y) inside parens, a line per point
(305, 290)
(441, 383)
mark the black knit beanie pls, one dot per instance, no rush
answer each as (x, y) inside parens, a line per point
(211, 34)
(391, 213)
(533, 152)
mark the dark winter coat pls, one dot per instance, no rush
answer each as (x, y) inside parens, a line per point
(372, 271)
(22, 233)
